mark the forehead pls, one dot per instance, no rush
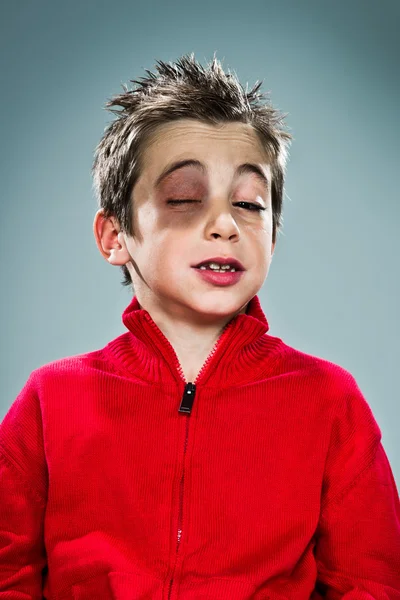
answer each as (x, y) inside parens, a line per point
(223, 144)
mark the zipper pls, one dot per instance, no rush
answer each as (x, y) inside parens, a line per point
(185, 408)
(190, 387)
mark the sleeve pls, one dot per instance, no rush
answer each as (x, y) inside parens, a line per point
(23, 479)
(358, 535)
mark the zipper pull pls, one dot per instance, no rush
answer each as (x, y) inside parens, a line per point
(188, 398)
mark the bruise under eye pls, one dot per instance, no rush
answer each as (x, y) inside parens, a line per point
(177, 184)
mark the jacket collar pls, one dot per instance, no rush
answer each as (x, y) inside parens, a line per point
(237, 355)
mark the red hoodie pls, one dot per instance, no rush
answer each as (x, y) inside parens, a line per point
(264, 479)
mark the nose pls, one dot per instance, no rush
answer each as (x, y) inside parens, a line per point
(223, 225)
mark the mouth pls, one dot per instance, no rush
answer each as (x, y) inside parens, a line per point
(219, 278)
(220, 260)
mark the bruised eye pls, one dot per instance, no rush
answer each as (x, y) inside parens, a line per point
(254, 207)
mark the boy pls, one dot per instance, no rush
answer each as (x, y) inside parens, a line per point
(194, 457)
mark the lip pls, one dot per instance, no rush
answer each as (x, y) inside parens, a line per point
(219, 279)
(222, 260)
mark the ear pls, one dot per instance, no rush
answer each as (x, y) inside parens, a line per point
(110, 239)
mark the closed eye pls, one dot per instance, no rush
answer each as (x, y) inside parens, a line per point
(254, 207)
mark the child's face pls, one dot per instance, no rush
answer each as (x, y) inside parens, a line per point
(170, 239)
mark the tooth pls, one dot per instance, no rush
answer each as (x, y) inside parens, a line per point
(217, 268)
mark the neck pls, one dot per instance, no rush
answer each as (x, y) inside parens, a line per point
(242, 347)
(192, 340)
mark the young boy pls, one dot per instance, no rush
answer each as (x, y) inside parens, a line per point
(194, 457)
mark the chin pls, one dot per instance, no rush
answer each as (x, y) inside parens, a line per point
(221, 307)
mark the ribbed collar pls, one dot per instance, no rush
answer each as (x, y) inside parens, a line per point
(240, 353)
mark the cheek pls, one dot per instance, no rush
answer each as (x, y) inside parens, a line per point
(262, 244)
(169, 250)
(147, 219)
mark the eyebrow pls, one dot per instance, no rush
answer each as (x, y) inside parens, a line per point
(190, 162)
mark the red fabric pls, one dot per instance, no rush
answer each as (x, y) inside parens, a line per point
(275, 486)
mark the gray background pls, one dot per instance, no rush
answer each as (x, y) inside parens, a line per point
(333, 286)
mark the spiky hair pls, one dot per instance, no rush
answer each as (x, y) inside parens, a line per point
(181, 90)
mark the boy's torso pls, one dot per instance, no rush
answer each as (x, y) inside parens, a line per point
(223, 502)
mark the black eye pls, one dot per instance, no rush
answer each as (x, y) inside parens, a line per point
(254, 207)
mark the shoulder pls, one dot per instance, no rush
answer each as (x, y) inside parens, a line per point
(326, 382)
(82, 367)
(318, 370)
(336, 387)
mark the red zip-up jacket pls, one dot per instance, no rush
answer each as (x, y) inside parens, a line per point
(264, 479)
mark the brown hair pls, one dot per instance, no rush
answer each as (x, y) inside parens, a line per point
(184, 89)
